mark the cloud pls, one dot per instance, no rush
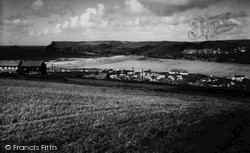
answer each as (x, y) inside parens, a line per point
(52, 21)
(18, 24)
(89, 19)
(92, 17)
(117, 6)
(174, 19)
(17, 20)
(59, 10)
(100, 9)
(62, 26)
(167, 8)
(134, 6)
(74, 21)
(45, 31)
(85, 17)
(171, 2)
(37, 5)
(42, 8)
(138, 20)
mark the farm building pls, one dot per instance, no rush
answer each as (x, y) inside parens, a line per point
(178, 71)
(33, 67)
(10, 66)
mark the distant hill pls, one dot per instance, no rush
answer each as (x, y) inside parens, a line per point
(160, 49)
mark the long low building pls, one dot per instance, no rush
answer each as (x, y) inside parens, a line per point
(10, 66)
(22, 67)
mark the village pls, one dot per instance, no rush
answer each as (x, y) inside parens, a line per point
(240, 49)
(174, 76)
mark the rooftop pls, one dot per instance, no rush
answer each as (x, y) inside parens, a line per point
(10, 62)
(31, 63)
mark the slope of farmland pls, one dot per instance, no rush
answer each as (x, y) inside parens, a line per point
(79, 118)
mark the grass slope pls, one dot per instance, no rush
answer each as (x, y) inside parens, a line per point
(79, 118)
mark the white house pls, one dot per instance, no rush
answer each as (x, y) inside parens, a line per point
(238, 78)
(178, 71)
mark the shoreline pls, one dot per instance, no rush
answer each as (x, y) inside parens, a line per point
(156, 64)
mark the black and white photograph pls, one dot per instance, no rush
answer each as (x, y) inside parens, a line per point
(125, 76)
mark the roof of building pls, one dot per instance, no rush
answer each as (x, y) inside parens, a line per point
(10, 63)
(31, 63)
(101, 76)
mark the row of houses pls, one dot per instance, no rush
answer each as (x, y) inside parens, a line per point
(138, 75)
(174, 76)
(213, 51)
(22, 67)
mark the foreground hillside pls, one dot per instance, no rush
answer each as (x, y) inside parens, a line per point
(78, 118)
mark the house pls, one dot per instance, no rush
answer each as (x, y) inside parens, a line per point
(92, 70)
(113, 76)
(160, 76)
(178, 71)
(128, 72)
(33, 67)
(171, 78)
(190, 51)
(10, 66)
(124, 77)
(238, 77)
(205, 51)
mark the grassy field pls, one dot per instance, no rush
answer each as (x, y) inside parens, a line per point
(80, 118)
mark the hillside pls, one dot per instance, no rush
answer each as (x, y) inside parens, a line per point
(80, 118)
(235, 51)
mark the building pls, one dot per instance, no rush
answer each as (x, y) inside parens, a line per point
(100, 76)
(10, 66)
(92, 70)
(190, 51)
(178, 72)
(238, 77)
(33, 67)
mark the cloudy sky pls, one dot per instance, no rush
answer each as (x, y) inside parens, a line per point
(38, 22)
